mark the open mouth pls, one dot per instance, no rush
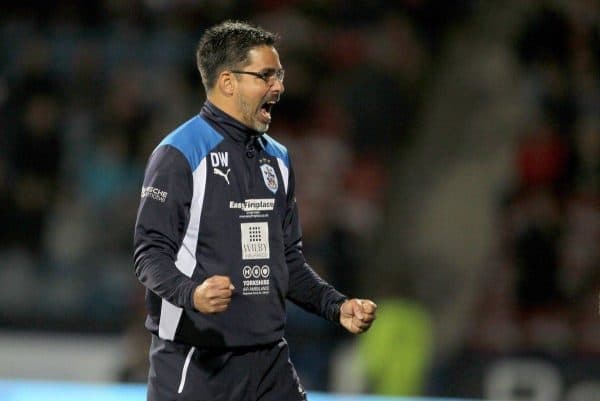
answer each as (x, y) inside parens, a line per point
(265, 110)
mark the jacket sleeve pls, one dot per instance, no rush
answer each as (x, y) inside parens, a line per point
(162, 220)
(306, 288)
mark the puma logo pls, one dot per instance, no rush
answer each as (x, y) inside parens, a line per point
(222, 174)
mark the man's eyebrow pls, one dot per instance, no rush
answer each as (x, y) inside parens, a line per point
(270, 70)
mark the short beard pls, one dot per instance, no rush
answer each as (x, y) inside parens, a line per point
(248, 116)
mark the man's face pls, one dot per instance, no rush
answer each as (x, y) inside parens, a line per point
(255, 97)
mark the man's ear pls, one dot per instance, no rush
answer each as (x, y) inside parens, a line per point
(226, 83)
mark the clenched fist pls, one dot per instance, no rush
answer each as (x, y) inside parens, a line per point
(213, 295)
(357, 315)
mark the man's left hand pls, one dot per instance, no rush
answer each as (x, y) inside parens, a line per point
(357, 315)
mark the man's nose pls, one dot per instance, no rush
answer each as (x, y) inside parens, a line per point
(278, 86)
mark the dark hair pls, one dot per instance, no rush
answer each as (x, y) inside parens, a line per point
(225, 46)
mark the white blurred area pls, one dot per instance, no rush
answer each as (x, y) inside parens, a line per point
(35, 356)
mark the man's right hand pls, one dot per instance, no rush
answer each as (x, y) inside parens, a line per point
(213, 295)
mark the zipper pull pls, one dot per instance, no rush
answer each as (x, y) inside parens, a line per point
(251, 147)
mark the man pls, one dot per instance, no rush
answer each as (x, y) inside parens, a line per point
(218, 242)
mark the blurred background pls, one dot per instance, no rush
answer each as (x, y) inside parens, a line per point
(448, 163)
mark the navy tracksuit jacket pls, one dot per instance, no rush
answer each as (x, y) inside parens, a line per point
(218, 199)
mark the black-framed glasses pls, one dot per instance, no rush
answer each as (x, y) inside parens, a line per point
(269, 76)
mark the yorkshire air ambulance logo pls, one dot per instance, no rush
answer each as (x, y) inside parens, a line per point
(270, 177)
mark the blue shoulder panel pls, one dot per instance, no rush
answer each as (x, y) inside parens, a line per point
(194, 138)
(276, 149)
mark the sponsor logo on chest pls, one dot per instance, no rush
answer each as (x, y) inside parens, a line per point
(255, 240)
(253, 205)
(256, 280)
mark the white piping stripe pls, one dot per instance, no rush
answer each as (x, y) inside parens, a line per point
(169, 319)
(186, 257)
(185, 368)
(285, 173)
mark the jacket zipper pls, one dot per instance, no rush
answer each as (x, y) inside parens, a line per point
(252, 152)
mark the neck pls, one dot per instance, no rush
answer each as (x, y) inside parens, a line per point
(226, 124)
(224, 104)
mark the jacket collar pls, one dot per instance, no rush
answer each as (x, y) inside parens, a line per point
(227, 125)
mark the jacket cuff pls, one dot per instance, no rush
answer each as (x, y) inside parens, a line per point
(190, 300)
(333, 314)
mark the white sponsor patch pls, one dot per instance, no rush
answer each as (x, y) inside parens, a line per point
(255, 240)
(253, 205)
(154, 193)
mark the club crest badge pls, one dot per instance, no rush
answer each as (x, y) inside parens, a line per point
(270, 177)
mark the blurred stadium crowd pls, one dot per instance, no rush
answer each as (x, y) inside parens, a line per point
(87, 90)
(545, 290)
